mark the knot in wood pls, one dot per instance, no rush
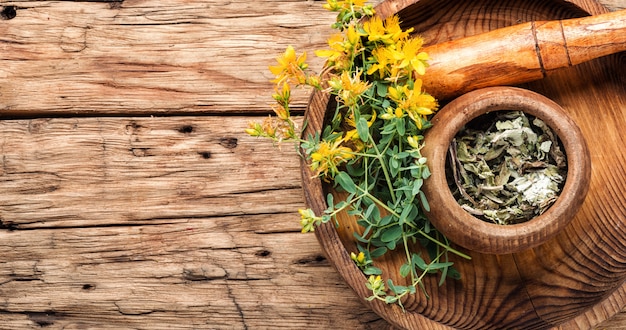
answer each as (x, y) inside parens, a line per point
(74, 39)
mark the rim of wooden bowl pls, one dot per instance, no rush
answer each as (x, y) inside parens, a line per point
(478, 235)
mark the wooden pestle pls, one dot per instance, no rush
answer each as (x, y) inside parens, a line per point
(521, 53)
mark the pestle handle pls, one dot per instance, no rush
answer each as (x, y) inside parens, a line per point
(521, 53)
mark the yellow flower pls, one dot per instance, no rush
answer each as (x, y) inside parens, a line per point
(276, 129)
(337, 5)
(391, 113)
(282, 96)
(331, 5)
(414, 141)
(396, 60)
(254, 129)
(359, 259)
(388, 32)
(375, 29)
(329, 155)
(412, 101)
(290, 67)
(337, 49)
(281, 111)
(353, 37)
(375, 283)
(397, 93)
(349, 87)
(343, 48)
(393, 29)
(381, 57)
(308, 220)
(314, 81)
(410, 57)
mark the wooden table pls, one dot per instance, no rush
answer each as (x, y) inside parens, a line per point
(130, 196)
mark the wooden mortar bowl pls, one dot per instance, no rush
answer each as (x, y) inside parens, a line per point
(574, 280)
(476, 234)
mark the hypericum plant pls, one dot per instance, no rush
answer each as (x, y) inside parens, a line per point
(371, 147)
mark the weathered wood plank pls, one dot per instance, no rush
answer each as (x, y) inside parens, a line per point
(97, 171)
(137, 223)
(151, 57)
(143, 57)
(614, 4)
(183, 275)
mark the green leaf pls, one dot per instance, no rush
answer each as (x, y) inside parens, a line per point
(381, 90)
(440, 265)
(385, 220)
(341, 205)
(424, 201)
(403, 154)
(418, 262)
(417, 186)
(378, 252)
(330, 202)
(405, 270)
(405, 214)
(425, 172)
(454, 274)
(400, 289)
(359, 238)
(386, 104)
(355, 170)
(355, 212)
(366, 231)
(443, 275)
(345, 181)
(394, 166)
(362, 129)
(400, 126)
(391, 234)
(371, 270)
(369, 211)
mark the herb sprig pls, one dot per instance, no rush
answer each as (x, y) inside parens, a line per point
(370, 149)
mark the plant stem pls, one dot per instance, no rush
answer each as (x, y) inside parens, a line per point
(408, 256)
(383, 166)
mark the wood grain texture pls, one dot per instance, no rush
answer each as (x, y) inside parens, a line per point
(521, 53)
(144, 223)
(203, 273)
(111, 220)
(144, 57)
(67, 172)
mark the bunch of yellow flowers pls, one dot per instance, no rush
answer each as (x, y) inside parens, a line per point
(361, 54)
(370, 148)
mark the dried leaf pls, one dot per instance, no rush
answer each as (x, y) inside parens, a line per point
(509, 172)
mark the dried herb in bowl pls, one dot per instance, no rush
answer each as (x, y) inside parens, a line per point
(506, 167)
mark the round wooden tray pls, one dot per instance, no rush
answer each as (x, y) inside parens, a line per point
(575, 280)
